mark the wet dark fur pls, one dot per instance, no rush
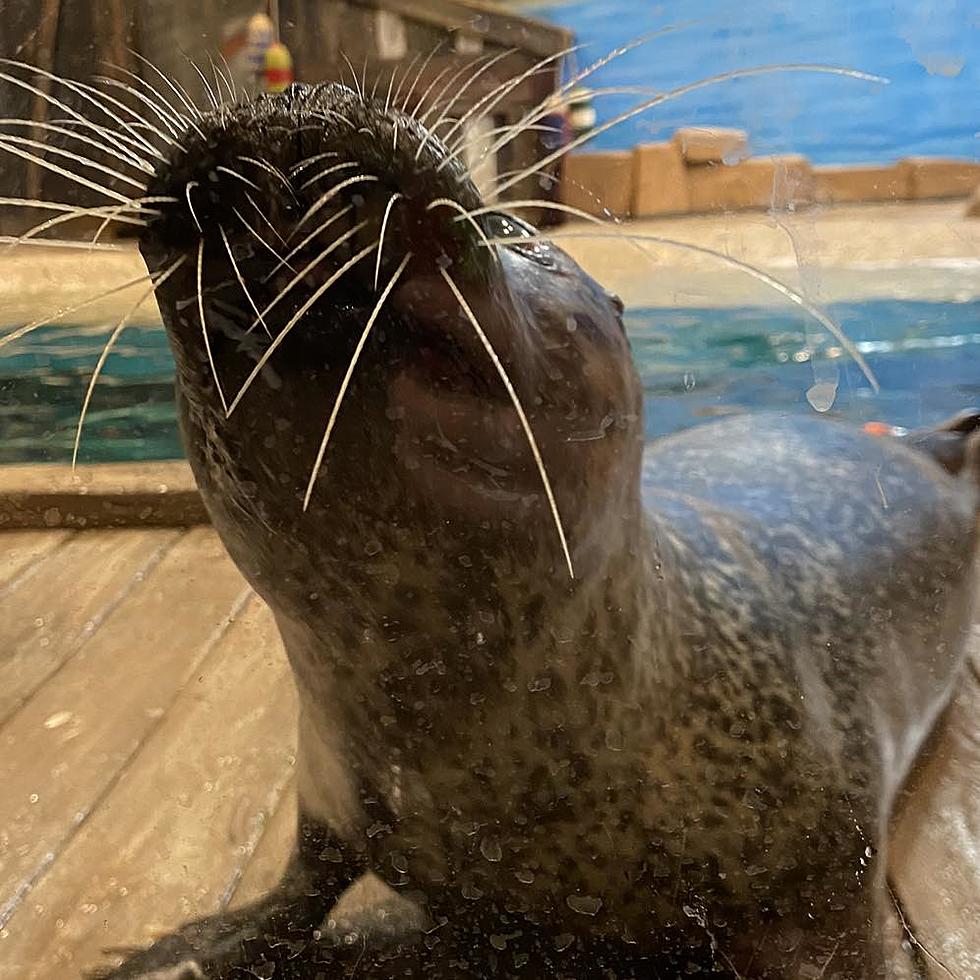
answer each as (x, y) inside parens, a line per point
(681, 762)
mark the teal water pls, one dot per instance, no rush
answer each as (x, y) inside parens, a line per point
(695, 364)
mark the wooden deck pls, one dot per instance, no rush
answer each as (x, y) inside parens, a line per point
(146, 748)
(146, 743)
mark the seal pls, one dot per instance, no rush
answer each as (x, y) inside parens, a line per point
(602, 709)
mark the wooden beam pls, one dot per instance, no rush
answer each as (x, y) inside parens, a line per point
(486, 20)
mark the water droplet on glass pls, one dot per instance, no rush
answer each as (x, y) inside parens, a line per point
(584, 904)
(490, 849)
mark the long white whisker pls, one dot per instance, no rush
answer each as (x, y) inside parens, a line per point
(521, 414)
(404, 79)
(298, 168)
(332, 193)
(296, 317)
(64, 243)
(265, 218)
(212, 98)
(418, 78)
(353, 75)
(230, 76)
(15, 335)
(103, 99)
(834, 329)
(112, 212)
(204, 325)
(346, 165)
(234, 173)
(313, 234)
(345, 383)
(177, 89)
(448, 202)
(107, 350)
(188, 187)
(124, 143)
(275, 171)
(161, 103)
(241, 281)
(544, 106)
(312, 264)
(79, 90)
(6, 138)
(460, 71)
(491, 99)
(381, 236)
(262, 241)
(69, 174)
(478, 105)
(126, 156)
(174, 130)
(683, 90)
(391, 85)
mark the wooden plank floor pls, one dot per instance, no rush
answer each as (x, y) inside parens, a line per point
(146, 741)
(146, 750)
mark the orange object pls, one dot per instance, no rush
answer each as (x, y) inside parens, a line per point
(884, 429)
(278, 72)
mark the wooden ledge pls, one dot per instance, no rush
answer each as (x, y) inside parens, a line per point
(107, 495)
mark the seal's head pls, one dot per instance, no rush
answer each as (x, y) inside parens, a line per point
(291, 224)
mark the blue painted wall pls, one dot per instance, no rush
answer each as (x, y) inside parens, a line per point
(929, 49)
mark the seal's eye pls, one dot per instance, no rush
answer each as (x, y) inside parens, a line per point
(499, 225)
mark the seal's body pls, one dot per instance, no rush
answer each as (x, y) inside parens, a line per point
(683, 758)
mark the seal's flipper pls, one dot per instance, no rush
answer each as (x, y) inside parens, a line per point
(954, 444)
(276, 931)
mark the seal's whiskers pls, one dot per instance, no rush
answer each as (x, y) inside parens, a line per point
(319, 230)
(9, 138)
(161, 106)
(404, 78)
(312, 264)
(176, 88)
(298, 168)
(188, 187)
(269, 168)
(204, 325)
(296, 317)
(348, 374)
(62, 171)
(330, 195)
(346, 165)
(418, 76)
(381, 236)
(241, 281)
(544, 106)
(683, 90)
(174, 126)
(282, 262)
(221, 168)
(486, 104)
(107, 350)
(212, 98)
(112, 212)
(130, 158)
(76, 87)
(15, 335)
(793, 295)
(522, 415)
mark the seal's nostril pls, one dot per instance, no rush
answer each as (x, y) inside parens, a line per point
(617, 303)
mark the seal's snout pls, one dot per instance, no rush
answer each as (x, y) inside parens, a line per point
(339, 299)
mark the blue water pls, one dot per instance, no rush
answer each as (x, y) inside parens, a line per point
(695, 365)
(929, 49)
